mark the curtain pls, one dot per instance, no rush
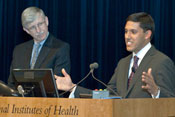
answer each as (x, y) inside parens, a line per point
(93, 28)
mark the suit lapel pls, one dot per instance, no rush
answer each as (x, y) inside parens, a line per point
(44, 52)
(125, 78)
(142, 67)
(27, 55)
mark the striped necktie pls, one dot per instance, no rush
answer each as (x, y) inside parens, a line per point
(134, 68)
(35, 55)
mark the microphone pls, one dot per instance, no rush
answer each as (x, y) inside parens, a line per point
(20, 90)
(104, 84)
(92, 66)
(133, 69)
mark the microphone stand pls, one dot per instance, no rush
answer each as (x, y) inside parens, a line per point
(103, 83)
(92, 67)
(20, 90)
(77, 83)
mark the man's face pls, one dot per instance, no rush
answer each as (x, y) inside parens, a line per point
(135, 37)
(38, 29)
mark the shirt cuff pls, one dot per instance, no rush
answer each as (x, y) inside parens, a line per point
(72, 93)
(158, 94)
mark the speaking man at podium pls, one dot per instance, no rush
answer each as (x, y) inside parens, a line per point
(44, 50)
(146, 73)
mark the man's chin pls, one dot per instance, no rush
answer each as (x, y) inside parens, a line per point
(129, 49)
(39, 39)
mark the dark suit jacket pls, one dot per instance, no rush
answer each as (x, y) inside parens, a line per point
(54, 54)
(163, 71)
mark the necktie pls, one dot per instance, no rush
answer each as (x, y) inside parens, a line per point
(134, 67)
(35, 55)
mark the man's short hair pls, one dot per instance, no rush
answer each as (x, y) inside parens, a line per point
(145, 20)
(30, 14)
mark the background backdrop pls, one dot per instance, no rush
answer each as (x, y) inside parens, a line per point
(93, 28)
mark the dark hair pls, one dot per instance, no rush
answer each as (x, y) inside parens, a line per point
(145, 20)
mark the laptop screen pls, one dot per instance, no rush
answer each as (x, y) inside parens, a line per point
(36, 82)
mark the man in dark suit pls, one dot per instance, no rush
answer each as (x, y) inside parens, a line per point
(44, 51)
(146, 73)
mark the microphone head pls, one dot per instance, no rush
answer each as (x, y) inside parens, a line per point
(133, 69)
(20, 89)
(93, 65)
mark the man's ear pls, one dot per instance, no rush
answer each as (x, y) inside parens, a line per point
(47, 21)
(148, 34)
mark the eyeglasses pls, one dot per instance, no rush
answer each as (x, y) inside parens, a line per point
(39, 25)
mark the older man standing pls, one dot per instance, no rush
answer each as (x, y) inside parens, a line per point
(44, 50)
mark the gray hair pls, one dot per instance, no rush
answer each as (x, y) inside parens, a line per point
(30, 14)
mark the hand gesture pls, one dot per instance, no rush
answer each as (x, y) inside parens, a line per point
(64, 83)
(150, 84)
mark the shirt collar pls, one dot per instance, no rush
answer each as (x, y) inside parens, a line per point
(142, 52)
(42, 42)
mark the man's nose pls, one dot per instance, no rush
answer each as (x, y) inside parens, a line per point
(127, 35)
(37, 28)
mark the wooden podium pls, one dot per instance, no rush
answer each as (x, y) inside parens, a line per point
(64, 107)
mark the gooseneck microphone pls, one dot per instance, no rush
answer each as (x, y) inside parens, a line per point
(20, 90)
(95, 66)
(92, 67)
(104, 84)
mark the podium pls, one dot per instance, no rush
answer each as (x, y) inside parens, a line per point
(64, 107)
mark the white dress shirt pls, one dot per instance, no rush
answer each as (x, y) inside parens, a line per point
(141, 55)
